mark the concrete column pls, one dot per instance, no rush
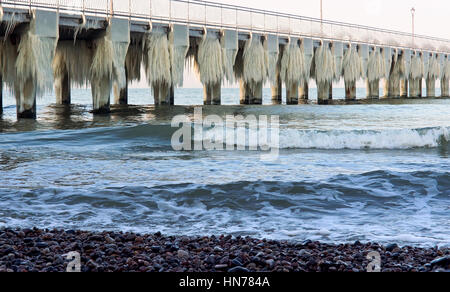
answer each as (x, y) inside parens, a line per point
(121, 94)
(43, 28)
(323, 93)
(415, 88)
(373, 89)
(101, 90)
(421, 87)
(331, 92)
(277, 90)
(303, 91)
(1, 95)
(394, 88)
(445, 87)
(292, 94)
(212, 94)
(26, 99)
(217, 94)
(62, 89)
(385, 88)
(350, 90)
(118, 32)
(161, 93)
(431, 87)
(404, 88)
(243, 93)
(251, 93)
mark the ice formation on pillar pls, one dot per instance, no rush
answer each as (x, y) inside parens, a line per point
(210, 61)
(293, 68)
(108, 65)
(34, 61)
(416, 75)
(8, 62)
(351, 66)
(376, 66)
(76, 58)
(433, 68)
(157, 60)
(133, 60)
(254, 63)
(398, 69)
(324, 65)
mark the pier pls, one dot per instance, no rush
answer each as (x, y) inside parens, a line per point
(59, 44)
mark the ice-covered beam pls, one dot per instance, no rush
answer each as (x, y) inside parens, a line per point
(33, 66)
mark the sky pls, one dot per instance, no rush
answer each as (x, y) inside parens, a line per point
(431, 17)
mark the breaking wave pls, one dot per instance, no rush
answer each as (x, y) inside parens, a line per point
(365, 139)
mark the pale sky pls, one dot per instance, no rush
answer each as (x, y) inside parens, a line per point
(432, 16)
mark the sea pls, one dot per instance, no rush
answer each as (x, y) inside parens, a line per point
(377, 172)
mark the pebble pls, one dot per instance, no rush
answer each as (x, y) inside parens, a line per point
(183, 254)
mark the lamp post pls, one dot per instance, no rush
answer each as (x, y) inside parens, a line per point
(321, 11)
(413, 12)
(321, 16)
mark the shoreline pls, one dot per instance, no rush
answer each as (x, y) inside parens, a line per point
(37, 250)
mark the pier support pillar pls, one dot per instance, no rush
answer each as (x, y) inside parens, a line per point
(121, 94)
(251, 93)
(373, 89)
(1, 95)
(445, 92)
(323, 93)
(415, 88)
(292, 94)
(431, 87)
(62, 88)
(212, 94)
(404, 88)
(34, 61)
(330, 96)
(161, 93)
(385, 88)
(277, 90)
(350, 90)
(303, 92)
(103, 76)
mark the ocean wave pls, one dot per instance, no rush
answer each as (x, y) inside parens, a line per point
(342, 139)
(365, 139)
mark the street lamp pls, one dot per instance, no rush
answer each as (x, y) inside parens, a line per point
(413, 12)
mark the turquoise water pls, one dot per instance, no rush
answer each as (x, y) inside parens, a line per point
(376, 172)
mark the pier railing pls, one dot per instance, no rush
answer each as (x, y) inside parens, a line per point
(219, 15)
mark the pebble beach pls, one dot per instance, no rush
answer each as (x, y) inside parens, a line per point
(36, 250)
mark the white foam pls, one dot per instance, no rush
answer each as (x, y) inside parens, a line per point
(383, 139)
